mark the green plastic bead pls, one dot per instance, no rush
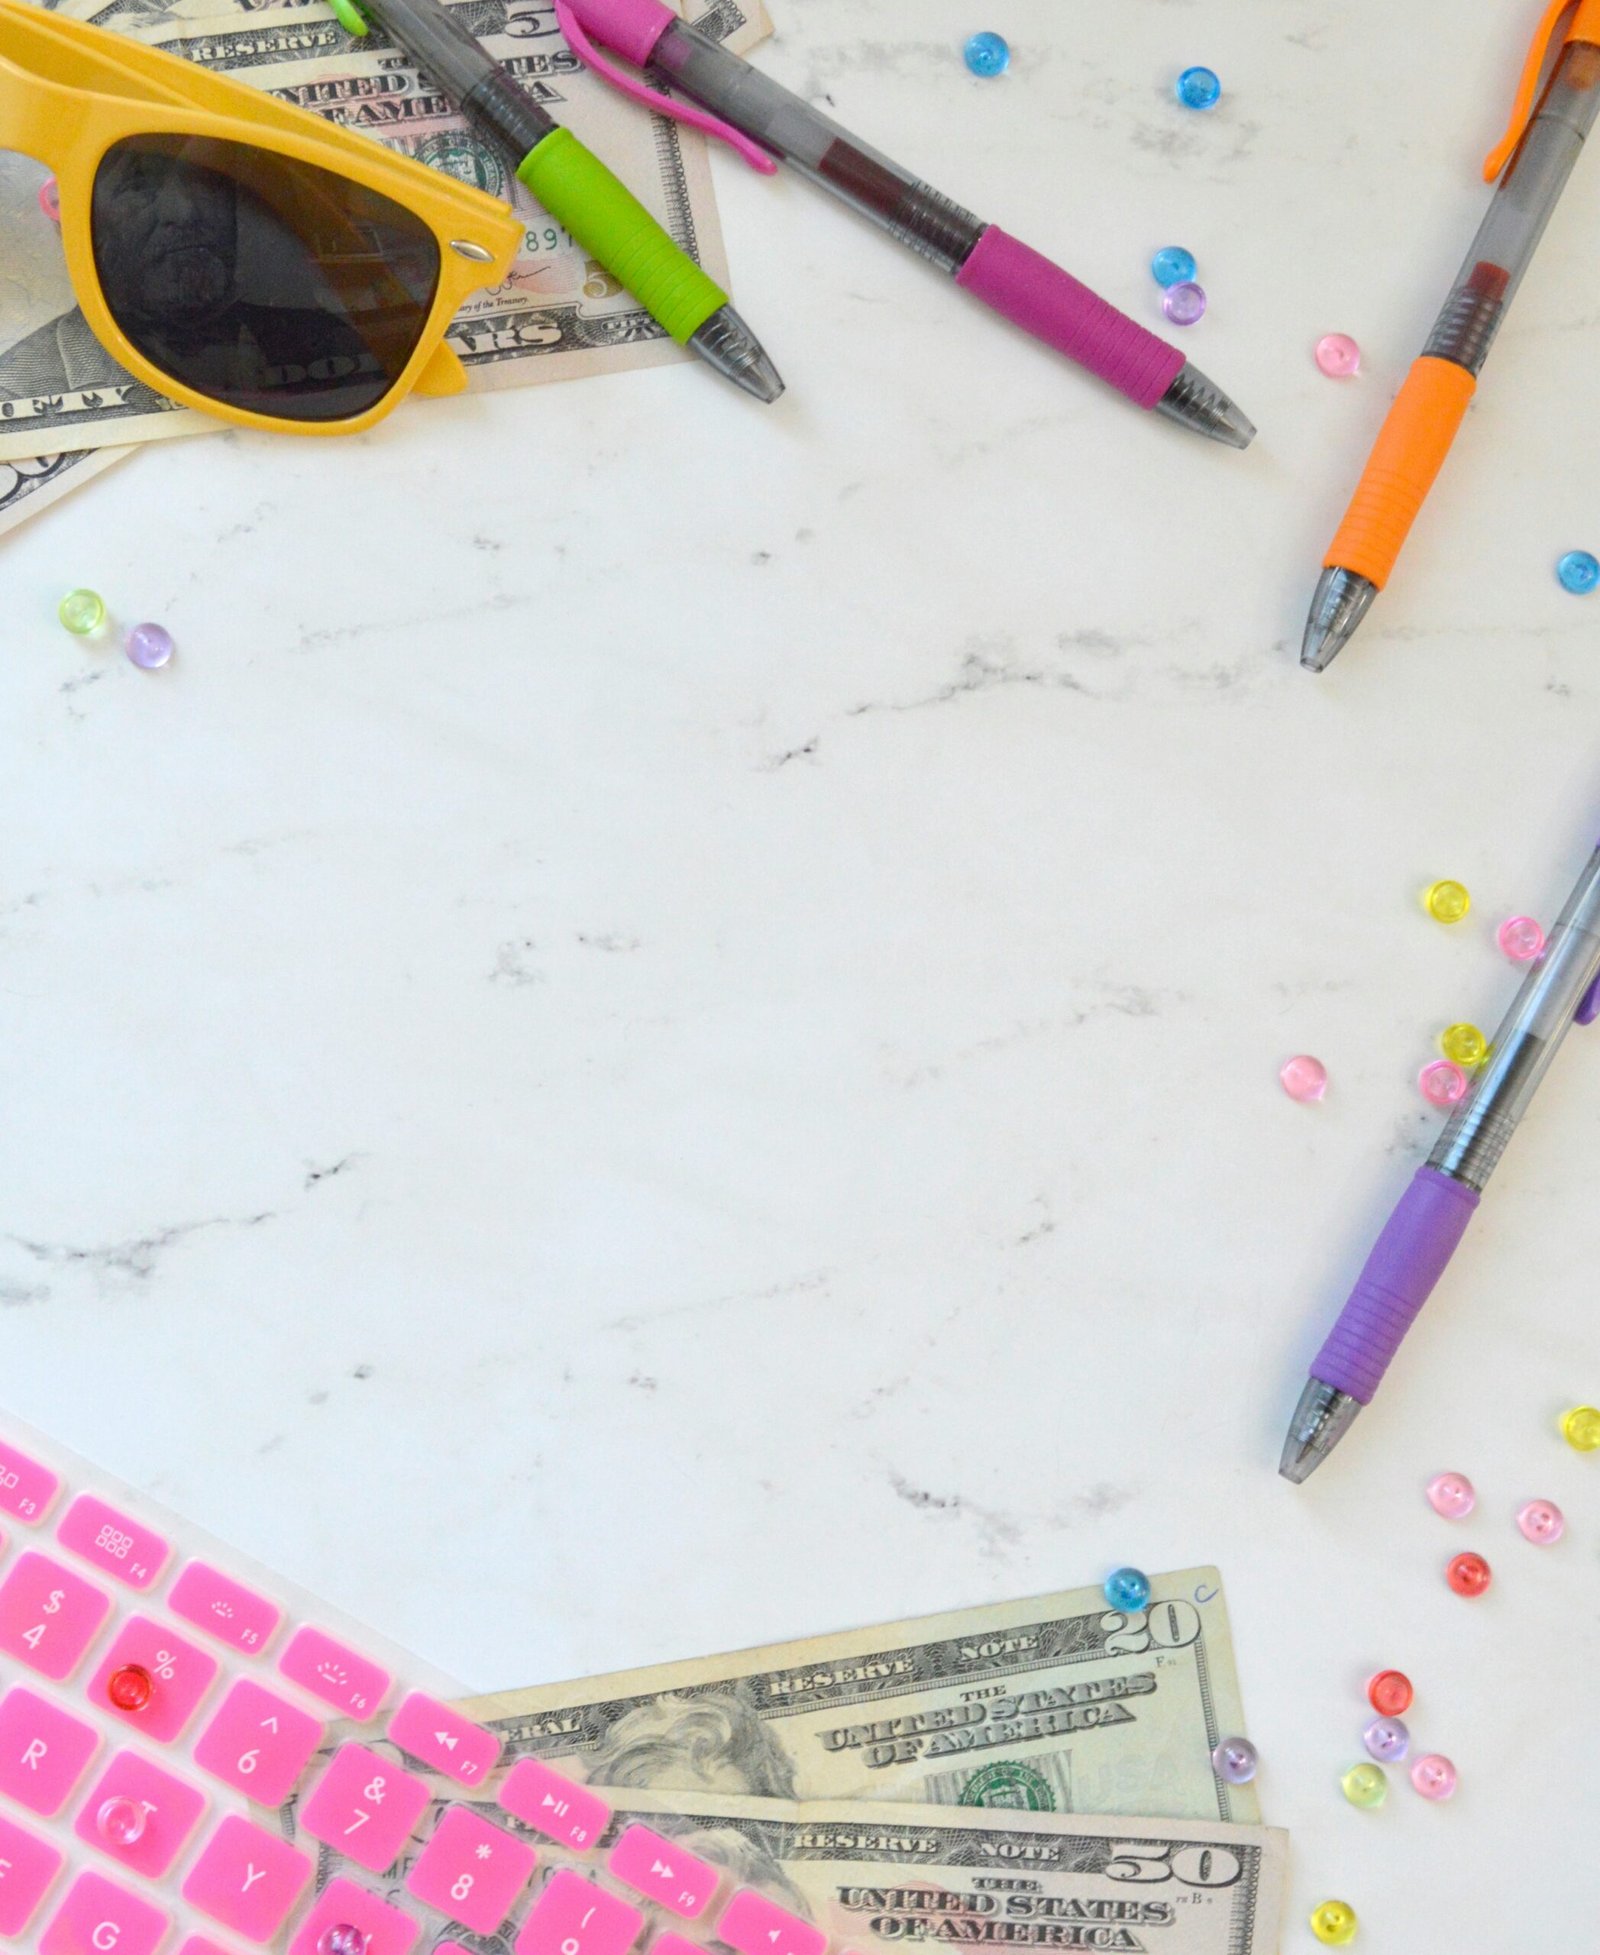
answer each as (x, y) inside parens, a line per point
(1465, 1045)
(82, 612)
(1581, 1428)
(1446, 902)
(1334, 1923)
(1366, 1785)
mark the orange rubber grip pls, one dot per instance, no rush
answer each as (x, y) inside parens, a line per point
(1407, 455)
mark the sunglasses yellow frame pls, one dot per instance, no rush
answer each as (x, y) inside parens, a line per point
(69, 91)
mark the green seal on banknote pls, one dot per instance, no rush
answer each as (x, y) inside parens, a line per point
(1008, 1784)
(458, 155)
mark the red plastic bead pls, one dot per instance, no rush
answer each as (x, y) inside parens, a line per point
(1390, 1693)
(1468, 1574)
(130, 1688)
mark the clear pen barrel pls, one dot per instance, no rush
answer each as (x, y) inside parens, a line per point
(1521, 207)
(795, 133)
(1539, 1019)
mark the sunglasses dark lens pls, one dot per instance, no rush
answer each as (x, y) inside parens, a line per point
(263, 282)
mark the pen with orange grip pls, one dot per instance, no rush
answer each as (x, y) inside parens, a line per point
(1542, 144)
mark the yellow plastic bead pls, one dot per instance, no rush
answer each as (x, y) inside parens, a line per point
(1334, 1923)
(1366, 1786)
(1465, 1045)
(1446, 902)
(82, 612)
(1581, 1428)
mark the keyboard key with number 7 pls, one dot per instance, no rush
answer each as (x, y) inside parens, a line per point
(365, 1808)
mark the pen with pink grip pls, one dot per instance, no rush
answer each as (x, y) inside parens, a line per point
(763, 121)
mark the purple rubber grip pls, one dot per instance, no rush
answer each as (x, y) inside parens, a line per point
(1049, 303)
(1418, 1239)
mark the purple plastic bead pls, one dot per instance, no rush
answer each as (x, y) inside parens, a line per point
(1184, 302)
(149, 646)
(342, 1938)
(1386, 1739)
(1234, 1760)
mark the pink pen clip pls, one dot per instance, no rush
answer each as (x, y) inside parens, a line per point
(586, 51)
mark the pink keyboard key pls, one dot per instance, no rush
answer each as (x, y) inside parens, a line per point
(555, 1806)
(224, 1608)
(27, 1867)
(199, 1945)
(247, 1880)
(123, 1547)
(756, 1926)
(335, 1674)
(444, 1739)
(574, 1917)
(43, 1752)
(258, 1744)
(471, 1871)
(49, 1616)
(387, 1930)
(131, 1794)
(663, 1872)
(26, 1487)
(365, 1808)
(100, 1918)
(180, 1674)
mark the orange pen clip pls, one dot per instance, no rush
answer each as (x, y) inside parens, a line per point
(1585, 27)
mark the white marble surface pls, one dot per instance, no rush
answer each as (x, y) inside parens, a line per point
(664, 1031)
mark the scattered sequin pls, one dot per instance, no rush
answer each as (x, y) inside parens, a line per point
(987, 54)
(1386, 1739)
(1390, 1693)
(121, 1821)
(1446, 901)
(1128, 1589)
(1542, 1522)
(1338, 356)
(1579, 571)
(1434, 1776)
(1334, 1923)
(1303, 1077)
(1184, 303)
(1235, 1761)
(1469, 1575)
(1452, 1494)
(1442, 1083)
(1199, 88)
(50, 199)
(1172, 265)
(82, 612)
(1581, 1428)
(1464, 1046)
(149, 646)
(1521, 939)
(1366, 1785)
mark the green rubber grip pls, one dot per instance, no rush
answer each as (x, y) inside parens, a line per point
(610, 223)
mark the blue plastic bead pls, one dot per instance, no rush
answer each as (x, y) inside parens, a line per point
(1579, 570)
(987, 54)
(1172, 265)
(1198, 88)
(1128, 1589)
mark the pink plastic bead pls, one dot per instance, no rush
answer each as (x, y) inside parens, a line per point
(1541, 1521)
(1452, 1495)
(1442, 1084)
(1434, 1776)
(1304, 1078)
(1521, 939)
(50, 200)
(1469, 1575)
(1338, 356)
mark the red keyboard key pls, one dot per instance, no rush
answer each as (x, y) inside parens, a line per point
(384, 1930)
(365, 1808)
(258, 1744)
(247, 1880)
(43, 1752)
(555, 1806)
(339, 1676)
(27, 1869)
(178, 1675)
(49, 1616)
(224, 1608)
(444, 1739)
(663, 1872)
(756, 1926)
(123, 1547)
(140, 1815)
(471, 1871)
(100, 1918)
(574, 1917)
(26, 1487)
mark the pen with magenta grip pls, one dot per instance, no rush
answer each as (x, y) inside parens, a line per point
(578, 191)
(1005, 274)
(1419, 1238)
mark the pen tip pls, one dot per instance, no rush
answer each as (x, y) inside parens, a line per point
(1342, 600)
(1321, 1419)
(726, 343)
(1195, 402)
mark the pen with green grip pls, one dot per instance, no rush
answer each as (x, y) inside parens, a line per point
(576, 188)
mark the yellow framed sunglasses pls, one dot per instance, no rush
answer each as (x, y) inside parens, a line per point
(234, 253)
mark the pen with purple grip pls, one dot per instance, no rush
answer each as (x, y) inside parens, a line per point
(1561, 990)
